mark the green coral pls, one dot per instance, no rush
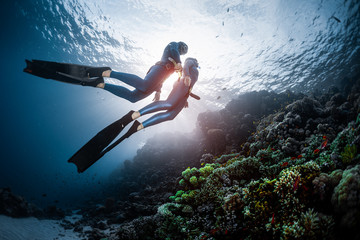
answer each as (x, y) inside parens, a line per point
(186, 174)
(349, 153)
(179, 193)
(346, 197)
(346, 137)
(207, 170)
(325, 162)
(193, 180)
(167, 209)
(182, 182)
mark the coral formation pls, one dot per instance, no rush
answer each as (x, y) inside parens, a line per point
(267, 166)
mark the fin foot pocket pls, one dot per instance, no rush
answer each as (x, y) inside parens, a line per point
(97, 71)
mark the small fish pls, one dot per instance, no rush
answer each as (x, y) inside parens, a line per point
(300, 156)
(336, 19)
(284, 164)
(218, 97)
(223, 23)
(226, 232)
(323, 145)
(296, 183)
(203, 237)
(216, 36)
(273, 149)
(213, 231)
(316, 151)
(44, 195)
(224, 88)
(324, 137)
(293, 158)
(228, 10)
(273, 219)
(305, 188)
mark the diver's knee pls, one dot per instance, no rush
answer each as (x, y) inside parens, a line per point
(133, 100)
(172, 116)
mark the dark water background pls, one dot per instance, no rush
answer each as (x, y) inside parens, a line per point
(276, 45)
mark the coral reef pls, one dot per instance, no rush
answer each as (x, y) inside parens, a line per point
(16, 206)
(346, 197)
(267, 166)
(292, 174)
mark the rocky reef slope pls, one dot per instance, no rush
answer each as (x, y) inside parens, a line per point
(267, 166)
(274, 166)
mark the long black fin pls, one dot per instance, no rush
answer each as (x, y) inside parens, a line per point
(63, 72)
(93, 149)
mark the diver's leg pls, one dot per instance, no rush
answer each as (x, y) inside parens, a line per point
(137, 126)
(131, 79)
(154, 107)
(132, 96)
(153, 78)
(174, 99)
(176, 96)
(162, 117)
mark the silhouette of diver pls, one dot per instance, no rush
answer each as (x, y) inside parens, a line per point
(175, 102)
(93, 76)
(157, 74)
(99, 145)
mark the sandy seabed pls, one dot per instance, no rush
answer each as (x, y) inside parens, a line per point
(33, 228)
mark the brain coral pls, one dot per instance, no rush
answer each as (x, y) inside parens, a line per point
(346, 197)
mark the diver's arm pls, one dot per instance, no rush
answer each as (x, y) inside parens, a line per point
(186, 104)
(188, 65)
(157, 93)
(156, 96)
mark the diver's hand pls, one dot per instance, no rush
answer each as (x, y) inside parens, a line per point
(186, 104)
(187, 81)
(157, 97)
(178, 67)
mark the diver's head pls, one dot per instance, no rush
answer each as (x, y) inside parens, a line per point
(192, 59)
(183, 48)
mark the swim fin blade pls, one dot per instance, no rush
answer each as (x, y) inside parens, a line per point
(95, 148)
(91, 151)
(63, 72)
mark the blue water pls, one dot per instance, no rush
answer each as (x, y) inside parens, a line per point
(241, 46)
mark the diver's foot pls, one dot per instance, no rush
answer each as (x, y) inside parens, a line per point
(141, 126)
(125, 120)
(106, 73)
(135, 115)
(101, 85)
(97, 71)
(96, 82)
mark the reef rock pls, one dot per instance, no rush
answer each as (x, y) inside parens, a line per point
(16, 206)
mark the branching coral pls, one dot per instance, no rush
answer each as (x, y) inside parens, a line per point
(349, 153)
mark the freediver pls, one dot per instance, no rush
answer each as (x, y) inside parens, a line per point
(176, 101)
(99, 145)
(93, 76)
